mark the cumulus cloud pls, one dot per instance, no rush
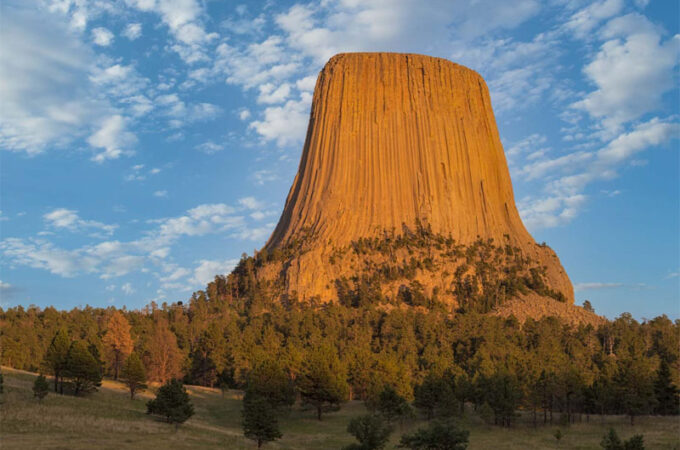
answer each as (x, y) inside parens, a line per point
(113, 137)
(68, 219)
(285, 124)
(183, 19)
(206, 271)
(102, 37)
(133, 31)
(127, 289)
(631, 72)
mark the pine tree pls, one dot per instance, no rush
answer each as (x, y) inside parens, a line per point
(667, 398)
(134, 374)
(40, 387)
(82, 369)
(172, 402)
(435, 397)
(117, 341)
(371, 432)
(635, 389)
(270, 380)
(259, 419)
(323, 382)
(55, 358)
(392, 405)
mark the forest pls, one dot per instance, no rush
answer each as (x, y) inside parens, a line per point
(411, 350)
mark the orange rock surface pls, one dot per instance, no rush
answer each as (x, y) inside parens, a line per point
(393, 140)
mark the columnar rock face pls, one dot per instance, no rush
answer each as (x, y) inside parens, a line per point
(397, 140)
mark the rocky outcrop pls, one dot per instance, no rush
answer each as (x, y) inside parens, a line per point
(396, 142)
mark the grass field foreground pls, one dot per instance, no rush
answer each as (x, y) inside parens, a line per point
(108, 419)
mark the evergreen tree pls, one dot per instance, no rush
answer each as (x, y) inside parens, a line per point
(435, 397)
(371, 432)
(55, 358)
(667, 398)
(439, 435)
(134, 374)
(504, 395)
(117, 341)
(635, 389)
(270, 380)
(82, 369)
(259, 419)
(392, 405)
(323, 382)
(40, 387)
(172, 402)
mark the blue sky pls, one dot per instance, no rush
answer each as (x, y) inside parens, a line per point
(147, 144)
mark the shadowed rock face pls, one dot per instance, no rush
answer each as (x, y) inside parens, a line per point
(395, 140)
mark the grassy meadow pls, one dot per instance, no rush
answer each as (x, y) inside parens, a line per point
(108, 419)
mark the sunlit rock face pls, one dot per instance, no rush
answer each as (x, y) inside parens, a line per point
(396, 141)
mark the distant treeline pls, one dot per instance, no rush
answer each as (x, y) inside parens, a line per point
(497, 364)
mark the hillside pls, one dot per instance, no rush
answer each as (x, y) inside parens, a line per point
(108, 419)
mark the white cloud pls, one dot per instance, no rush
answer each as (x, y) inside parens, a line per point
(585, 20)
(272, 94)
(631, 72)
(127, 289)
(306, 84)
(102, 37)
(40, 254)
(207, 269)
(113, 137)
(69, 219)
(133, 31)
(210, 147)
(43, 85)
(162, 193)
(579, 287)
(255, 233)
(250, 203)
(568, 176)
(263, 176)
(183, 19)
(285, 124)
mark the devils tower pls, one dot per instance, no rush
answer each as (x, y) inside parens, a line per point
(399, 143)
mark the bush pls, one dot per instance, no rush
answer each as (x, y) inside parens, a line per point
(611, 441)
(40, 387)
(371, 432)
(439, 435)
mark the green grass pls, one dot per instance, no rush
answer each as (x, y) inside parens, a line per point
(109, 419)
